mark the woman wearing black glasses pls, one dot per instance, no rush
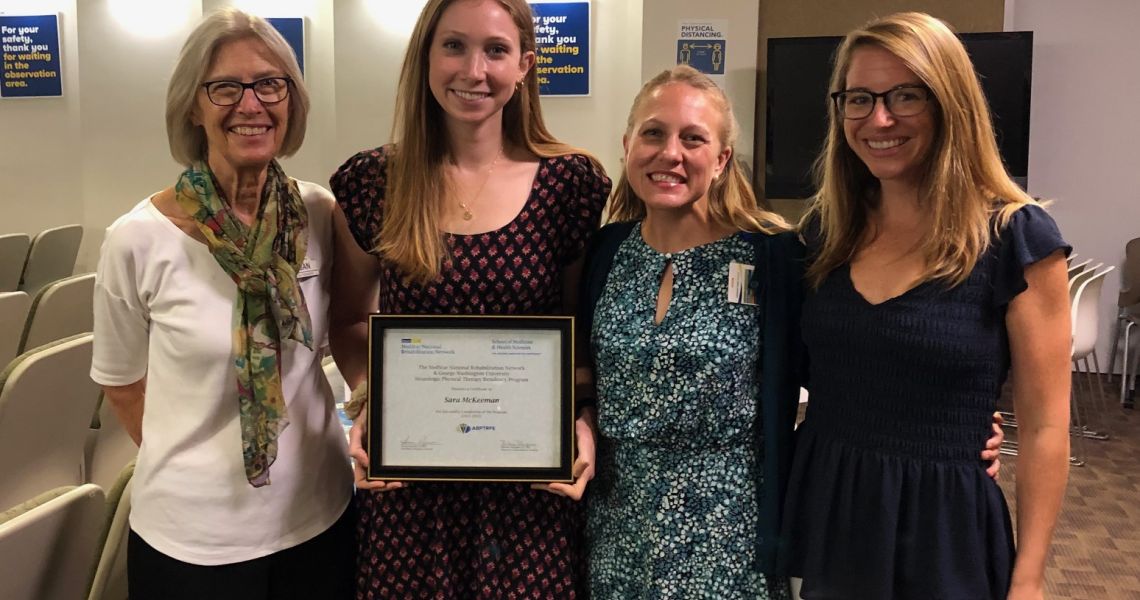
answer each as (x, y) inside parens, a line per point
(933, 277)
(210, 314)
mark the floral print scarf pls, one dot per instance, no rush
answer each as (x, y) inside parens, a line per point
(263, 261)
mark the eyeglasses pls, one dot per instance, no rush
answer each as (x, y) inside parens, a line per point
(901, 101)
(270, 90)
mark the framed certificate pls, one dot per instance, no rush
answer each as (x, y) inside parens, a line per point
(470, 398)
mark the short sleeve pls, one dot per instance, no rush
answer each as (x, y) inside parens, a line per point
(122, 321)
(1030, 236)
(359, 189)
(587, 188)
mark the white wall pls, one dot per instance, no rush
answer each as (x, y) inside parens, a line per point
(1084, 131)
(659, 52)
(39, 186)
(88, 157)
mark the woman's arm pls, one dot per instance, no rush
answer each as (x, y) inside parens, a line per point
(355, 294)
(127, 402)
(585, 428)
(1040, 340)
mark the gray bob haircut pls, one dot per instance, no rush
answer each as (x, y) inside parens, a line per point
(187, 140)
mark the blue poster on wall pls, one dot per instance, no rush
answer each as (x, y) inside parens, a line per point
(30, 51)
(562, 62)
(293, 30)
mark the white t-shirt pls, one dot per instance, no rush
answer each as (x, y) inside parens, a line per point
(164, 310)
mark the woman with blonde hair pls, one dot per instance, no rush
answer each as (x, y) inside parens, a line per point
(932, 277)
(475, 208)
(211, 305)
(691, 302)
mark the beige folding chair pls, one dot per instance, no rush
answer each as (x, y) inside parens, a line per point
(13, 315)
(13, 255)
(51, 257)
(48, 543)
(60, 309)
(109, 581)
(46, 402)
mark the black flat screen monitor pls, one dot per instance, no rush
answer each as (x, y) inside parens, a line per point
(796, 121)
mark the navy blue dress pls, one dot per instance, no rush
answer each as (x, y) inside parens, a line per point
(888, 498)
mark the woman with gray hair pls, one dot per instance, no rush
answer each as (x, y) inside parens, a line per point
(211, 305)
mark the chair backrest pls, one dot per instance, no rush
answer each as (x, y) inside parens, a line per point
(13, 255)
(46, 402)
(47, 544)
(1086, 314)
(109, 578)
(51, 257)
(1076, 280)
(13, 315)
(60, 309)
(1077, 268)
(1130, 275)
(1069, 259)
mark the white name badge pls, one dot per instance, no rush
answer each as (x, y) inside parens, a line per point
(740, 290)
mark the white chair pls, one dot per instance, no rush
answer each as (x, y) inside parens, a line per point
(13, 315)
(109, 581)
(1079, 277)
(47, 544)
(13, 255)
(60, 309)
(1085, 316)
(1077, 268)
(46, 402)
(51, 257)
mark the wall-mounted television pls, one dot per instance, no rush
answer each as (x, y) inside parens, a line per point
(796, 117)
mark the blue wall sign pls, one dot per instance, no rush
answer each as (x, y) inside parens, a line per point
(562, 62)
(29, 49)
(706, 56)
(293, 30)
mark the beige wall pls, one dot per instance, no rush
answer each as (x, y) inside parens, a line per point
(91, 155)
(794, 18)
(659, 50)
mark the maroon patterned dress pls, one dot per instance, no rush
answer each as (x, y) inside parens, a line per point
(460, 540)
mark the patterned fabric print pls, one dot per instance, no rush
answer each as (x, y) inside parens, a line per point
(445, 541)
(263, 262)
(673, 509)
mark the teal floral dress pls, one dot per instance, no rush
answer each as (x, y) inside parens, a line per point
(673, 509)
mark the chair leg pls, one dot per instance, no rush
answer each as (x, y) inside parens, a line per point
(1124, 400)
(1115, 341)
(1102, 403)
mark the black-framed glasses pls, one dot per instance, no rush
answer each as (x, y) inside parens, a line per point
(269, 90)
(901, 101)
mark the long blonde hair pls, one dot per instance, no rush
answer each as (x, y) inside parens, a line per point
(964, 181)
(416, 184)
(731, 199)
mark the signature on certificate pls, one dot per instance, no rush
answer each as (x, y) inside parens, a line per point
(423, 444)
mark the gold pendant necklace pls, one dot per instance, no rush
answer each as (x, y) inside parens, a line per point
(467, 214)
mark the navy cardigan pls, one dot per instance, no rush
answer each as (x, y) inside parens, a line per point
(780, 288)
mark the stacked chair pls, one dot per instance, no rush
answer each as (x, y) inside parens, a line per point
(1085, 283)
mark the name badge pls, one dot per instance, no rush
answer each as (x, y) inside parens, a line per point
(740, 290)
(308, 269)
